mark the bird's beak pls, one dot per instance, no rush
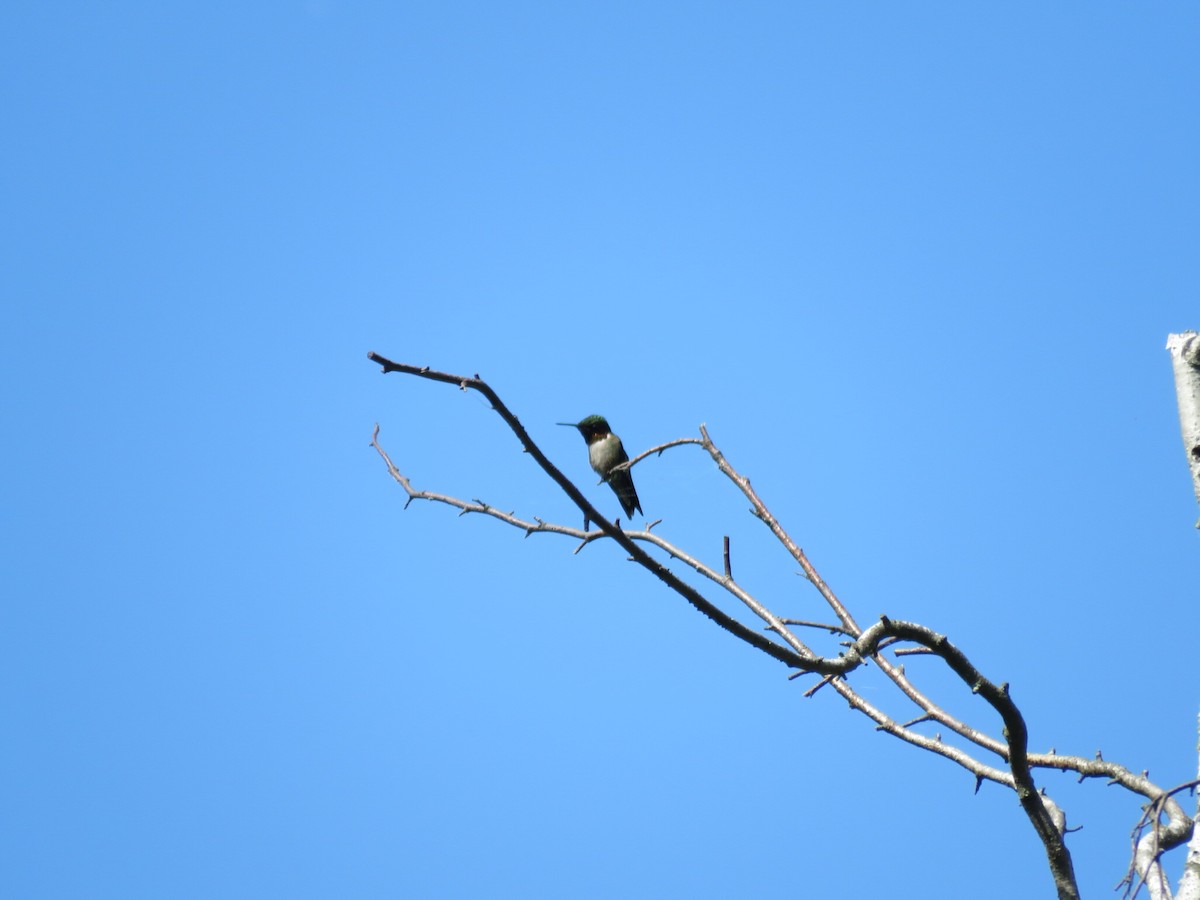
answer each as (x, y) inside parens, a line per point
(568, 424)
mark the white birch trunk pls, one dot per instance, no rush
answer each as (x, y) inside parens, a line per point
(1189, 884)
(1185, 357)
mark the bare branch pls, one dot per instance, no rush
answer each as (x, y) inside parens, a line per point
(1015, 732)
(832, 629)
(761, 511)
(478, 506)
(730, 624)
(1044, 815)
(656, 450)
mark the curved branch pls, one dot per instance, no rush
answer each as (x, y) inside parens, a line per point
(1015, 732)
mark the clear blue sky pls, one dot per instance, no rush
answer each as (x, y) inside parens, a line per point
(913, 264)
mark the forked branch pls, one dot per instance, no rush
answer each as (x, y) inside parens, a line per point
(862, 646)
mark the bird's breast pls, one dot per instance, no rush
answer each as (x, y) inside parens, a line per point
(604, 454)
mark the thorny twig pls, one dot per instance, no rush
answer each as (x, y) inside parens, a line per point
(864, 645)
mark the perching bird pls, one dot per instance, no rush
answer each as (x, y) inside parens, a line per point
(604, 453)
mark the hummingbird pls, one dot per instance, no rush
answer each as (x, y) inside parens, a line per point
(604, 453)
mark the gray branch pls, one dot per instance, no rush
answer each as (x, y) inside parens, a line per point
(1153, 835)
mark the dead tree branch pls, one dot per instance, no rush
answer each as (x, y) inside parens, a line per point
(1010, 748)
